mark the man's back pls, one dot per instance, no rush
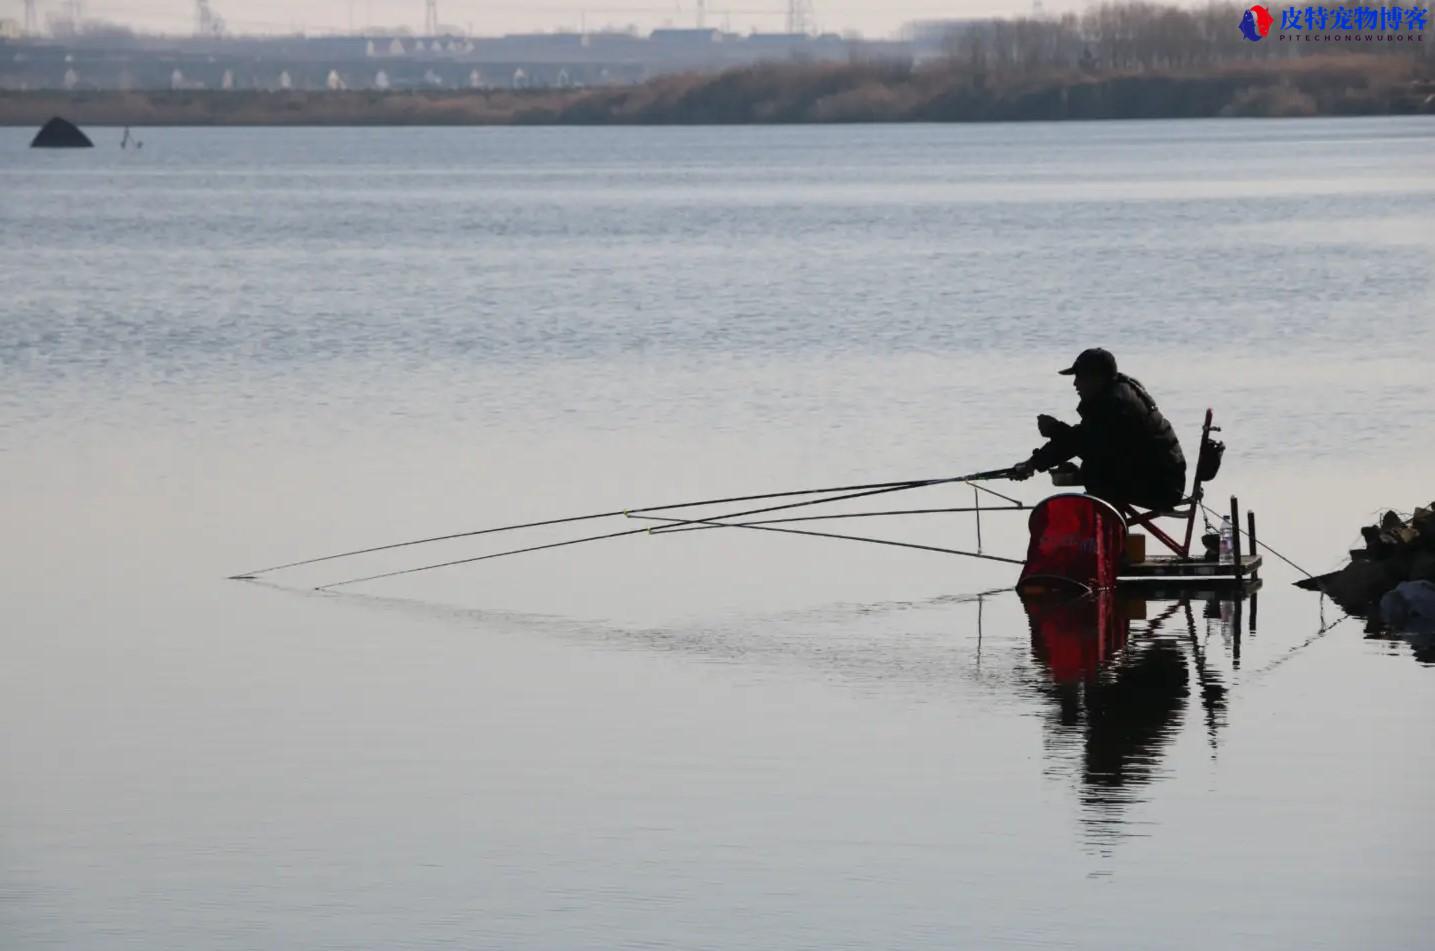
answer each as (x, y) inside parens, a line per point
(1129, 441)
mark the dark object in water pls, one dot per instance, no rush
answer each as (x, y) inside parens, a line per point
(1410, 606)
(1396, 551)
(60, 134)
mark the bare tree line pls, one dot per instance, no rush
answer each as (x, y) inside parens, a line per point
(1133, 36)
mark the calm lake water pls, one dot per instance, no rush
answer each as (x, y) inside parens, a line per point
(240, 347)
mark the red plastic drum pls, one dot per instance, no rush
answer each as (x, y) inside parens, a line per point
(1075, 539)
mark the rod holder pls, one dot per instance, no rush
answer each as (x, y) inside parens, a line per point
(1236, 538)
(1251, 530)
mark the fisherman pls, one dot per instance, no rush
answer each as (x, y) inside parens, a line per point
(1129, 453)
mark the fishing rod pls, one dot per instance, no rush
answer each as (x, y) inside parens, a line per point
(568, 519)
(851, 538)
(676, 523)
(599, 538)
(817, 518)
(878, 489)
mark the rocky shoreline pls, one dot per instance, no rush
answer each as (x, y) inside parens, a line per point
(1391, 580)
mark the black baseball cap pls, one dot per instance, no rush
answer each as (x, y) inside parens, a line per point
(1093, 362)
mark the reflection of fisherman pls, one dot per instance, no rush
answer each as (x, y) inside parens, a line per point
(1121, 695)
(1129, 453)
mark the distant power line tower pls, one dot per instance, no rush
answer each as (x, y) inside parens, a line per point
(431, 17)
(32, 19)
(702, 14)
(799, 16)
(206, 21)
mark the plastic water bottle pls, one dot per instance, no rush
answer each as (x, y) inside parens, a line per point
(1227, 542)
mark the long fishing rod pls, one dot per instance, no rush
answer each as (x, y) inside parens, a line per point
(882, 488)
(818, 518)
(851, 538)
(989, 474)
(591, 538)
(248, 575)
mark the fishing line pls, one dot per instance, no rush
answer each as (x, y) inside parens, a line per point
(1237, 530)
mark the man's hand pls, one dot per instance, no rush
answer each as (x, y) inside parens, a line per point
(1022, 471)
(1049, 426)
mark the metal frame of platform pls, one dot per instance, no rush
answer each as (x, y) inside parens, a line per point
(1171, 568)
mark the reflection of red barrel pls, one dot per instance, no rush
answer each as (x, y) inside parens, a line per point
(1074, 635)
(1074, 539)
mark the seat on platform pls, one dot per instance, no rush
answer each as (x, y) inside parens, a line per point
(1208, 463)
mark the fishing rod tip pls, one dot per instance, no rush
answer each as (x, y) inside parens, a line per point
(241, 578)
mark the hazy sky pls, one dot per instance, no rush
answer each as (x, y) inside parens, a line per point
(504, 16)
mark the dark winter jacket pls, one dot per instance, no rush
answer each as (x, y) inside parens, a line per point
(1129, 452)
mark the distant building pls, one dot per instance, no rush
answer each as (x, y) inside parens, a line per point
(699, 37)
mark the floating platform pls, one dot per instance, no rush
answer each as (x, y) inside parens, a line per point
(1174, 569)
(1218, 588)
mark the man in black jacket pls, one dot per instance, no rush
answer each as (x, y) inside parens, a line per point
(1129, 453)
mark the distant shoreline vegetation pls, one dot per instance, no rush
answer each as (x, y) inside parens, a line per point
(1349, 84)
(1126, 60)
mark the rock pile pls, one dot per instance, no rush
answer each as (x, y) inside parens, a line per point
(1397, 550)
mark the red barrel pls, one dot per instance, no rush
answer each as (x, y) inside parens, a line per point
(1075, 540)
